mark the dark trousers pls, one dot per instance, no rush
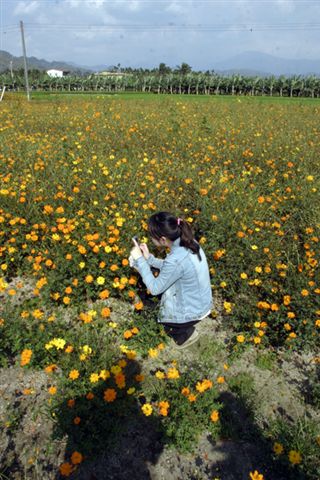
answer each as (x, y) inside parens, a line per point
(180, 332)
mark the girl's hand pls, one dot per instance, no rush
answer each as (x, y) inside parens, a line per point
(136, 253)
(145, 250)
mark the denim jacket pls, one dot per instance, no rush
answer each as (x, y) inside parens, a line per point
(183, 281)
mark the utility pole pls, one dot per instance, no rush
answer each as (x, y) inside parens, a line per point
(11, 70)
(25, 60)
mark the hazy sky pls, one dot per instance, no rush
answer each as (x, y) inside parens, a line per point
(147, 32)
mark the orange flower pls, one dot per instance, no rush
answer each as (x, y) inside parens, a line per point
(105, 312)
(138, 306)
(185, 391)
(51, 368)
(164, 407)
(25, 357)
(52, 390)
(120, 380)
(192, 398)
(110, 395)
(104, 294)
(218, 254)
(214, 416)
(76, 458)
(66, 469)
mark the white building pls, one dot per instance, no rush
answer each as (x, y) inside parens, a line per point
(56, 73)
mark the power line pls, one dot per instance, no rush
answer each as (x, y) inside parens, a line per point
(173, 27)
(177, 27)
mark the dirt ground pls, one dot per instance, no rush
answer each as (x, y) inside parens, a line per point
(27, 451)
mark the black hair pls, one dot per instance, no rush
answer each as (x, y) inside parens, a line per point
(164, 224)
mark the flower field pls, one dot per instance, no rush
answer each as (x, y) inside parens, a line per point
(79, 177)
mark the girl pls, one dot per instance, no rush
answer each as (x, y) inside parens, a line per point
(183, 281)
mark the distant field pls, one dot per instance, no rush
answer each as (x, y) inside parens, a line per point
(80, 174)
(152, 96)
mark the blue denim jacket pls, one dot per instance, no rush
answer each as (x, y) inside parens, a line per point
(184, 282)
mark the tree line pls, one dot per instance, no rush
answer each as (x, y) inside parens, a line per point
(181, 80)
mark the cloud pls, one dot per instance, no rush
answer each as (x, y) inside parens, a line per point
(25, 8)
(175, 7)
(131, 46)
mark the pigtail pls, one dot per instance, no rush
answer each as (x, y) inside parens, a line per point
(187, 238)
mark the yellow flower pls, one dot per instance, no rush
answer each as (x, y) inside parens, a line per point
(115, 369)
(227, 307)
(131, 390)
(240, 338)
(86, 349)
(104, 374)
(277, 448)
(173, 373)
(294, 457)
(94, 378)
(59, 343)
(256, 475)
(74, 374)
(147, 409)
(160, 374)
(153, 353)
(243, 275)
(204, 385)
(101, 280)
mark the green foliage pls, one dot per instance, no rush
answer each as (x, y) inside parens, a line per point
(189, 412)
(300, 436)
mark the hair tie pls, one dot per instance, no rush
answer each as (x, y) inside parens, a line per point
(178, 221)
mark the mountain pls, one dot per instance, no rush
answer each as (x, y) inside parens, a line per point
(246, 72)
(263, 62)
(40, 64)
